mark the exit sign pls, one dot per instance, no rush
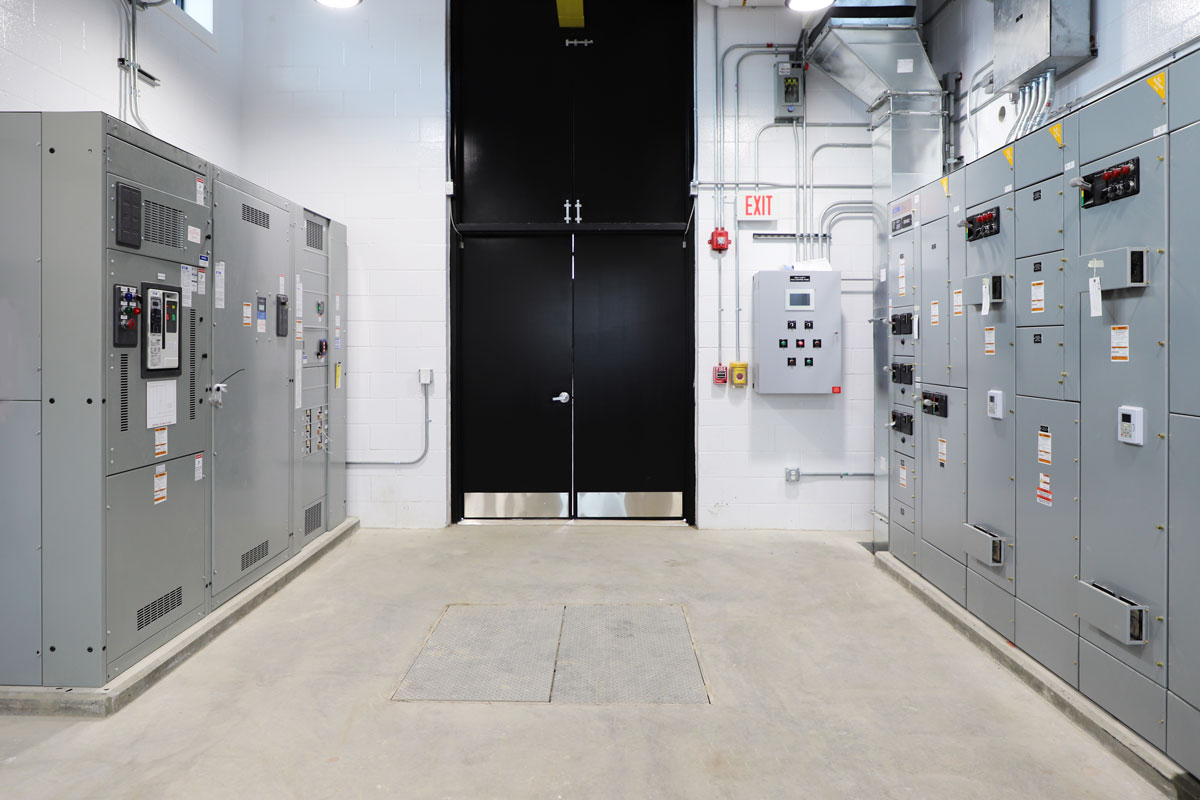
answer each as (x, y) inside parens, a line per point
(755, 206)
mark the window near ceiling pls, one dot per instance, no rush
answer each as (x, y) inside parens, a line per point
(199, 10)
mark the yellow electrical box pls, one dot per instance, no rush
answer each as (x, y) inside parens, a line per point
(739, 373)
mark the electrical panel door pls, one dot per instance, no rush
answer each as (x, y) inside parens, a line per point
(797, 332)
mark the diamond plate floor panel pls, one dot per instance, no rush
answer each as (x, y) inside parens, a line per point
(627, 654)
(487, 653)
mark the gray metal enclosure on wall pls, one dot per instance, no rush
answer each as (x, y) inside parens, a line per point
(123, 292)
(1078, 483)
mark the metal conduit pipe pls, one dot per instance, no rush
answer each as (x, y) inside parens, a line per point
(1039, 97)
(799, 187)
(812, 158)
(1022, 99)
(976, 83)
(418, 459)
(844, 206)
(1048, 102)
(720, 120)
(833, 223)
(758, 137)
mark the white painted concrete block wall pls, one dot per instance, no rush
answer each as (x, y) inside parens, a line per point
(61, 55)
(746, 440)
(344, 111)
(1128, 33)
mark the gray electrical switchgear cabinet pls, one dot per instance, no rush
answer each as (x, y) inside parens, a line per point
(797, 332)
(124, 292)
(1054, 428)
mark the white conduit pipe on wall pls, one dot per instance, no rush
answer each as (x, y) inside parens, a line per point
(1039, 99)
(1022, 97)
(812, 194)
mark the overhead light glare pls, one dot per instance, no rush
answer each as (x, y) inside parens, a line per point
(808, 5)
(340, 3)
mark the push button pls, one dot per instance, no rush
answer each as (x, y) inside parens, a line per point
(791, 362)
(783, 343)
(799, 343)
(816, 342)
(808, 362)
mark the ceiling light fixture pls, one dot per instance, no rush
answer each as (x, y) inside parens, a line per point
(808, 5)
(340, 3)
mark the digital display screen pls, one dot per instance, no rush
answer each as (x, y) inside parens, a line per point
(798, 299)
(1126, 418)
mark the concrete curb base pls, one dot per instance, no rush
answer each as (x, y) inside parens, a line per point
(109, 699)
(1141, 756)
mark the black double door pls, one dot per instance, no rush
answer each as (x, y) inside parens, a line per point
(572, 274)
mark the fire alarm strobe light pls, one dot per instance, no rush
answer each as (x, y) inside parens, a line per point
(719, 240)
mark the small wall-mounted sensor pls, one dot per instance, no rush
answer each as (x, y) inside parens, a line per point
(1129, 425)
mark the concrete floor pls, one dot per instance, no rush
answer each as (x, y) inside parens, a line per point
(828, 680)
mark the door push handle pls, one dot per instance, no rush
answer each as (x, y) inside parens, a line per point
(561, 397)
(567, 212)
(578, 212)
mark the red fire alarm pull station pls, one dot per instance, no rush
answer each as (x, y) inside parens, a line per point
(720, 375)
(719, 240)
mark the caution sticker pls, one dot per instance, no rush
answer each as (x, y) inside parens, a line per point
(1056, 132)
(1044, 495)
(989, 341)
(160, 442)
(160, 484)
(903, 475)
(198, 468)
(934, 314)
(1119, 343)
(941, 451)
(901, 278)
(247, 314)
(958, 303)
(1159, 84)
(946, 186)
(1008, 153)
(1037, 296)
(1045, 446)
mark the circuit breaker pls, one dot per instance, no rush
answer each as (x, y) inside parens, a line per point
(789, 91)
(797, 332)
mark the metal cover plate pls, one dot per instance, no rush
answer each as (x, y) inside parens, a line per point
(487, 653)
(573, 654)
(627, 654)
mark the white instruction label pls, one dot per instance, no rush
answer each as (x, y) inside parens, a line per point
(987, 297)
(160, 484)
(989, 341)
(903, 476)
(904, 66)
(185, 283)
(956, 209)
(219, 286)
(193, 234)
(282, 284)
(1044, 495)
(1070, 165)
(299, 331)
(198, 470)
(1037, 297)
(299, 375)
(1159, 131)
(337, 298)
(1119, 343)
(1094, 294)
(958, 303)
(160, 442)
(201, 280)
(901, 277)
(199, 191)
(1045, 447)
(934, 315)
(883, 274)
(247, 315)
(160, 403)
(941, 451)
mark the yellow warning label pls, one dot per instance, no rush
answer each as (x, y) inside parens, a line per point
(1056, 132)
(1008, 153)
(1159, 84)
(946, 186)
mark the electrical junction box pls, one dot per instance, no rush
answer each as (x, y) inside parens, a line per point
(1032, 36)
(789, 91)
(805, 358)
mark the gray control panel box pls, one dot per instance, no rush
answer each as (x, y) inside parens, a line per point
(797, 332)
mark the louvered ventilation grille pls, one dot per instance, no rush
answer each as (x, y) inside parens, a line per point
(192, 363)
(160, 608)
(255, 555)
(316, 235)
(255, 216)
(163, 225)
(313, 518)
(124, 392)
